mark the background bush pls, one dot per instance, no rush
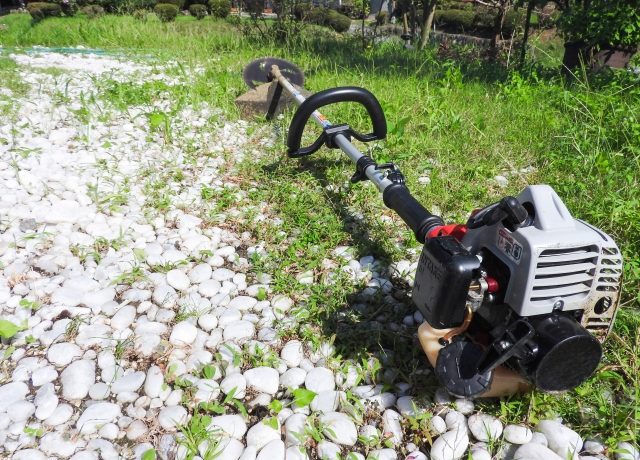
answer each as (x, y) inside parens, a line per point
(178, 3)
(455, 20)
(219, 8)
(329, 18)
(167, 12)
(92, 11)
(198, 11)
(42, 10)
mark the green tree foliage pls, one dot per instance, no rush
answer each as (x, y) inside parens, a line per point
(198, 11)
(600, 22)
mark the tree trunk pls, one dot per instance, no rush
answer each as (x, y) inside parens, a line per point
(525, 38)
(428, 14)
(497, 28)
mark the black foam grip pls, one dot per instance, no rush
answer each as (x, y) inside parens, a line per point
(421, 221)
(332, 96)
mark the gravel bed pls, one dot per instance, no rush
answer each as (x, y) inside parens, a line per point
(131, 312)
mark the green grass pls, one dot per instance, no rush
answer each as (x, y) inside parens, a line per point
(461, 121)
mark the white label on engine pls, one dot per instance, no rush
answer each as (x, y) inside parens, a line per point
(509, 246)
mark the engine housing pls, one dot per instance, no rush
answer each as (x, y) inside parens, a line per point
(554, 263)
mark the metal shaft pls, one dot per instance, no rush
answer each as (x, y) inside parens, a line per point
(374, 175)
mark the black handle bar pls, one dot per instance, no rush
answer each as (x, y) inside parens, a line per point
(331, 96)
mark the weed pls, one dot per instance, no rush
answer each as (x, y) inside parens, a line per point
(198, 439)
(130, 277)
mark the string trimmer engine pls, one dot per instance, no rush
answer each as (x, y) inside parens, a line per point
(522, 284)
(521, 294)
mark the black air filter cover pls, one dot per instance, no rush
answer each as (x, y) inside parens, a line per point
(567, 354)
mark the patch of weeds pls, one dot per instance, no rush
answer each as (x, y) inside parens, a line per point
(220, 408)
(71, 331)
(29, 304)
(198, 439)
(122, 346)
(8, 329)
(130, 277)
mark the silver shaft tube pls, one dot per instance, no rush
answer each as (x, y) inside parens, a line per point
(374, 175)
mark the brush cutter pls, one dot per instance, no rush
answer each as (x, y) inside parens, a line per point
(521, 294)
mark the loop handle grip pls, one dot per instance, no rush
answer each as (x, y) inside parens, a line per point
(331, 96)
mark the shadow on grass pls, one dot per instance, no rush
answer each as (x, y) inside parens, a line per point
(367, 322)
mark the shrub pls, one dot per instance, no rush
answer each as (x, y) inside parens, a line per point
(301, 11)
(382, 18)
(42, 10)
(455, 20)
(338, 22)
(69, 7)
(220, 8)
(141, 14)
(178, 3)
(198, 11)
(167, 12)
(318, 16)
(92, 11)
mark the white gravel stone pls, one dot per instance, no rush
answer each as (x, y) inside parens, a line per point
(200, 273)
(183, 333)
(46, 401)
(539, 438)
(450, 445)
(562, 440)
(43, 375)
(172, 416)
(292, 353)
(20, 411)
(485, 428)
(339, 428)
(293, 378)
(61, 415)
(208, 322)
(478, 453)
(229, 449)
(236, 383)
(296, 453)
(327, 401)
(437, 425)
(231, 425)
(294, 429)
(29, 454)
(77, 378)
(627, 451)
(239, 331)
(272, 451)
(328, 450)
(56, 443)
(455, 420)
(178, 280)
(61, 354)
(154, 382)
(391, 424)
(534, 451)
(382, 454)
(123, 318)
(12, 392)
(128, 383)
(261, 434)
(591, 446)
(320, 379)
(242, 303)
(517, 434)
(97, 415)
(464, 406)
(263, 379)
